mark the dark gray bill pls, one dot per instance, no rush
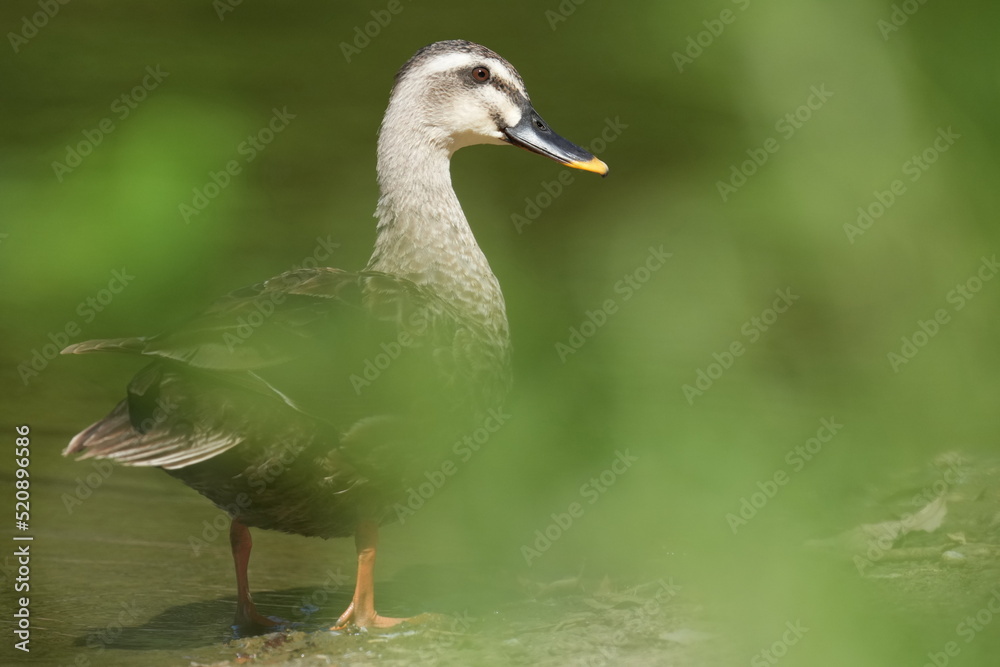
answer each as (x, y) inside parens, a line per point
(533, 134)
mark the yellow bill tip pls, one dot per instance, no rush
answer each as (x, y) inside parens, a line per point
(593, 164)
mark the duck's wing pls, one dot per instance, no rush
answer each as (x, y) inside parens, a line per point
(250, 328)
(308, 351)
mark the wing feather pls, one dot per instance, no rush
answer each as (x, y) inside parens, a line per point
(267, 362)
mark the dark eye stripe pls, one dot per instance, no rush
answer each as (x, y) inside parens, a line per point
(507, 89)
(497, 80)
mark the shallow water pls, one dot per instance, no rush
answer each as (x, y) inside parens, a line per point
(128, 567)
(116, 581)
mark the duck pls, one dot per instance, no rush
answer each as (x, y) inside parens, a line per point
(309, 402)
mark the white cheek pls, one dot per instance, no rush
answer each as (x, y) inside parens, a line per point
(470, 119)
(472, 124)
(467, 115)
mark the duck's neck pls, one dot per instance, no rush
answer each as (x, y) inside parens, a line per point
(422, 233)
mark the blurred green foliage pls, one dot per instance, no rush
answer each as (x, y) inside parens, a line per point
(684, 129)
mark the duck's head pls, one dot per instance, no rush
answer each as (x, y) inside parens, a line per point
(458, 94)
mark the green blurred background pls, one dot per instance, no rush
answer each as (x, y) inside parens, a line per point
(682, 130)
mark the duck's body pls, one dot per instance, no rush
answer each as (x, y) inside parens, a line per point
(308, 403)
(317, 415)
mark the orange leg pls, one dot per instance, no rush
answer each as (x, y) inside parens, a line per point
(361, 612)
(247, 617)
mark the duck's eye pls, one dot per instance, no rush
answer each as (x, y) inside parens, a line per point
(480, 74)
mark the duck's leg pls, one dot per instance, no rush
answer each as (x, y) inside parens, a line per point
(247, 616)
(361, 612)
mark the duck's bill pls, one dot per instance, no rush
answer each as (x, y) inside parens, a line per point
(533, 134)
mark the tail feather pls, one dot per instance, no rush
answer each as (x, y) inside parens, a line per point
(100, 436)
(114, 437)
